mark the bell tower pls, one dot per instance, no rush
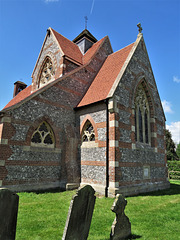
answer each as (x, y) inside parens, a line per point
(85, 40)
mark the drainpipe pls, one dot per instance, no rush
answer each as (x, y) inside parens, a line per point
(107, 149)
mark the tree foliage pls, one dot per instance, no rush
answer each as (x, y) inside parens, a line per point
(170, 147)
(178, 151)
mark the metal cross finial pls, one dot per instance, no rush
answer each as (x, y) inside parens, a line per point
(140, 28)
(86, 22)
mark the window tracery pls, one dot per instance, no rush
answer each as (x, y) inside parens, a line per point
(43, 136)
(142, 116)
(88, 133)
(47, 72)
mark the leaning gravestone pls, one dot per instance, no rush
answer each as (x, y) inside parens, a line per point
(121, 227)
(8, 214)
(80, 214)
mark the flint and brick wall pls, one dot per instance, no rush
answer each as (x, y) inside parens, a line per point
(130, 159)
(24, 167)
(93, 157)
(133, 167)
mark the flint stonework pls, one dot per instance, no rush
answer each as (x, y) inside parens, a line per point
(75, 95)
(121, 227)
(8, 214)
(80, 214)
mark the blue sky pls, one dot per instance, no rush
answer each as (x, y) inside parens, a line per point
(23, 25)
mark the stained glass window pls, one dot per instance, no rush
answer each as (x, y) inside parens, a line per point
(135, 125)
(146, 127)
(142, 116)
(140, 127)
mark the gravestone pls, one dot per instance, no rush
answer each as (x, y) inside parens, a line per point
(8, 214)
(121, 227)
(80, 214)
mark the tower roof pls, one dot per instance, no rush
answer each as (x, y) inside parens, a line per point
(87, 34)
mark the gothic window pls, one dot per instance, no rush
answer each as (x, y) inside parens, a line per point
(47, 72)
(142, 116)
(135, 125)
(88, 132)
(43, 136)
(140, 126)
(146, 127)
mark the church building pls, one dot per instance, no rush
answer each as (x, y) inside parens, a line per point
(90, 116)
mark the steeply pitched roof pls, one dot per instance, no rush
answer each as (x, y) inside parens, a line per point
(105, 78)
(89, 54)
(69, 48)
(19, 97)
(27, 91)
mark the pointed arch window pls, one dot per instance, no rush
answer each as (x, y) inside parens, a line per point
(43, 136)
(88, 132)
(47, 72)
(140, 125)
(142, 116)
(146, 127)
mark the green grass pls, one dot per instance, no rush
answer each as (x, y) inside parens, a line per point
(153, 216)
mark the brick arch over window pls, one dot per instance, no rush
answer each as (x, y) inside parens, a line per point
(88, 120)
(46, 72)
(143, 112)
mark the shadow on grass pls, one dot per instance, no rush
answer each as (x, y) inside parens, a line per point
(53, 190)
(173, 190)
(133, 236)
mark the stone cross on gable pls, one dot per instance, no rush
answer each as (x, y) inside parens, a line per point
(140, 28)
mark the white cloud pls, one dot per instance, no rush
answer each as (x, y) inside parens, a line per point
(49, 1)
(174, 128)
(176, 79)
(167, 106)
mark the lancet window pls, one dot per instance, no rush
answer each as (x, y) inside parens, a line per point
(88, 132)
(47, 72)
(142, 116)
(43, 136)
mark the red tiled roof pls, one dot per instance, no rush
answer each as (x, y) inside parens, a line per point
(19, 97)
(105, 78)
(65, 43)
(69, 48)
(89, 54)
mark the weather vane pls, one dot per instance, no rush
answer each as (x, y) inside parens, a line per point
(86, 22)
(140, 28)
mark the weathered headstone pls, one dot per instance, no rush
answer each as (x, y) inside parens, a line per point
(121, 227)
(80, 214)
(8, 214)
